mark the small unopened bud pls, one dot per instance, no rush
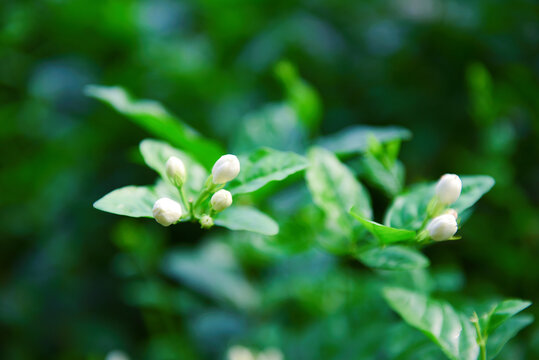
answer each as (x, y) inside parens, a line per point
(176, 171)
(206, 221)
(166, 211)
(452, 212)
(442, 227)
(225, 169)
(221, 200)
(448, 189)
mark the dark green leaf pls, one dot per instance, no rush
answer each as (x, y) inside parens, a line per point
(247, 218)
(453, 332)
(263, 166)
(384, 234)
(393, 258)
(355, 139)
(153, 117)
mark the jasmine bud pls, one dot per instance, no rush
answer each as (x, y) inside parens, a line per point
(442, 227)
(166, 211)
(225, 169)
(176, 171)
(221, 200)
(448, 189)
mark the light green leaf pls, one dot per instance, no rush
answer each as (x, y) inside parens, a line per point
(156, 153)
(275, 126)
(303, 97)
(248, 219)
(410, 209)
(497, 340)
(389, 180)
(384, 234)
(393, 258)
(335, 190)
(213, 271)
(355, 139)
(263, 166)
(135, 201)
(452, 331)
(153, 117)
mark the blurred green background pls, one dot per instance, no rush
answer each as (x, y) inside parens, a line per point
(463, 76)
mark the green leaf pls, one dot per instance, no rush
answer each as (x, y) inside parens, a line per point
(389, 180)
(248, 219)
(153, 117)
(135, 201)
(410, 209)
(263, 166)
(303, 97)
(393, 258)
(452, 331)
(335, 190)
(501, 313)
(275, 126)
(497, 340)
(384, 234)
(156, 153)
(355, 139)
(213, 271)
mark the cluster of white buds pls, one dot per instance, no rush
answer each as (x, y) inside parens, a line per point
(448, 189)
(176, 171)
(166, 211)
(225, 169)
(221, 200)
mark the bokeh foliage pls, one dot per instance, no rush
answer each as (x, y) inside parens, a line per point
(462, 76)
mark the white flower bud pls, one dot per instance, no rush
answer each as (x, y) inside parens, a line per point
(225, 169)
(117, 355)
(206, 221)
(221, 200)
(240, 353)
(166, 211)
(442, 227)
(176, 171)
(448, 189)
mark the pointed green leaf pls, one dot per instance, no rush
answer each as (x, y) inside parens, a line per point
(263, 166)
(410, 209)
(393, 258)
(248, 219)
(452, 331)
(135, 201)
(335, 190)
(153, 117)
(497, 340)
(355, 139)
(384, 234)
(503, 312)
(156, 153)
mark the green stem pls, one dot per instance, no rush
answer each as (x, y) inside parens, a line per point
(480, 340)
(187, 204)
(209, 188)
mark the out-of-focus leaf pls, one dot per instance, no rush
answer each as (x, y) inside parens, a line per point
(355, 139)
(410, 209)
(247, 218)
(389, 180)
(497, 340)
(213, 271)
(393, 258)
(153, 117)
(156, 153)
(263, 166)
(452, 331)
(335, 190)
(384, 234)
(303, 97)
(501, 313)
(275, 126)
